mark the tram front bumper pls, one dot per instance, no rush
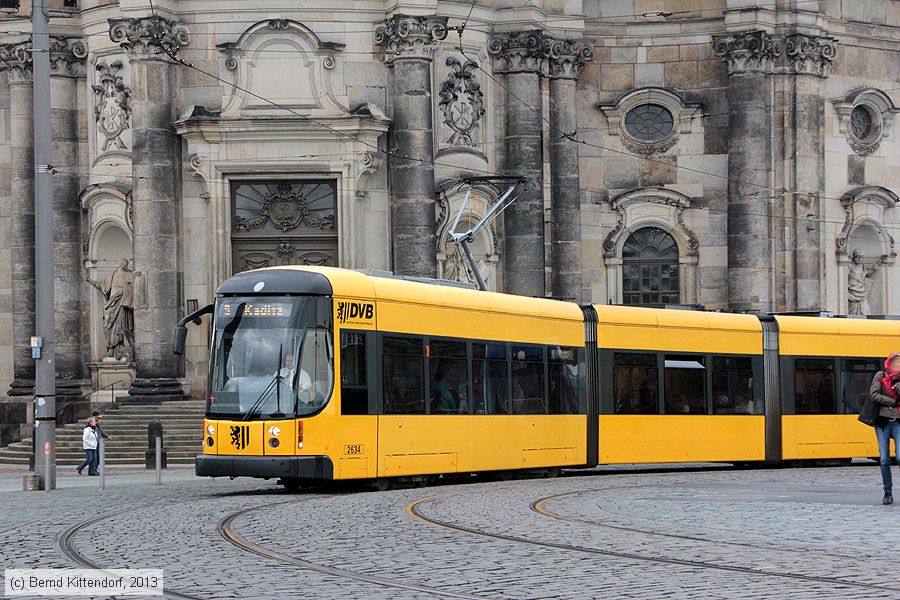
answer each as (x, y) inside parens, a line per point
(290, 467)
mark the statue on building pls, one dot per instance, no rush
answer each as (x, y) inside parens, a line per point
(859, 284)
(118, 325)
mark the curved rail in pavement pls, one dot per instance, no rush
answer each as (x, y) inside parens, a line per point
(227, 530)
(414, 509)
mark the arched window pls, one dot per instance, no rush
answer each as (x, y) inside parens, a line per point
(650, 268)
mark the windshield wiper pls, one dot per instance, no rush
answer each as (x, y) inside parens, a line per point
(276, 382)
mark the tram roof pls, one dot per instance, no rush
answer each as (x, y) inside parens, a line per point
(355, 284)
(682, 319)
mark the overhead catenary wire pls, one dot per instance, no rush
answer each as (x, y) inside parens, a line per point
(391, 153)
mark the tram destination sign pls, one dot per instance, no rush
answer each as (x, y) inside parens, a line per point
(265, 309)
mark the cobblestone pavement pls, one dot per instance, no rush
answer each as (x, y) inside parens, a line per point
(787, 533)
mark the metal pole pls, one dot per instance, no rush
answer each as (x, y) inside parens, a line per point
(45, 367)
(158, 459)
(102, 461)
(465, 246)
(47, 464)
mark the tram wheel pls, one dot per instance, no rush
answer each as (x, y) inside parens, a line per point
(290, 485)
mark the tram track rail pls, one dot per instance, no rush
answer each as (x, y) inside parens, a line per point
(539, 507)
(414, 509)
(65, 544)
(226, 528)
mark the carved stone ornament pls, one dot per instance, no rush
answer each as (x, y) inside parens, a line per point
(666, 206)
(148, 37)
(16, 58)
(112, 106)
(67, 57)
(810, 54)
(405, 36)
(518, 51)
(286, 209)
(566, 58)
(748, 51)
(462, 102)
(880, 110)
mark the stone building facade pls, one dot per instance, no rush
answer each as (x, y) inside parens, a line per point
(736, 154)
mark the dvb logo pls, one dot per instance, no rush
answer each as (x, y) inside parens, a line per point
(355, 311)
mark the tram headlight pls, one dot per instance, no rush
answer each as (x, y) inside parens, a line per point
(210, 430)
(273, 442)
(274, 431)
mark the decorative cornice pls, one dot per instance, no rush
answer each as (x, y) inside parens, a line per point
(810, 54)
(748, 51)
(148, 38)
(518, 51)
(566, 58)
(406, 36)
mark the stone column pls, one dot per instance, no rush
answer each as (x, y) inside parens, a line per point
(808, 58)
(749, 57)
(565, 60)
(409, 44)
(148, 42)
(17, 58)
(67, 58)
(518, 56)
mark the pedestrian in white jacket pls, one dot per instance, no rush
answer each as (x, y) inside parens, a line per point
(90, 440)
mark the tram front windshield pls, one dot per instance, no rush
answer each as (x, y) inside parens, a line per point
(272, 358)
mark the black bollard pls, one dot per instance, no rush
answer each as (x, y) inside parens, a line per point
(154, 430)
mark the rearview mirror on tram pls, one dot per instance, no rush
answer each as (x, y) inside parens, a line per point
(181, 330)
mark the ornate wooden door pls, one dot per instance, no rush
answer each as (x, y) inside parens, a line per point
(283, 223)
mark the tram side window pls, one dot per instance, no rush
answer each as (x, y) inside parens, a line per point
(449, 378)
(732, 386)
(635, 383)
(685, 385)
(528, 380)
(814, 386)
(490, 379)
(354, 389)
(563, 383)
(857, 377)
(404, 369)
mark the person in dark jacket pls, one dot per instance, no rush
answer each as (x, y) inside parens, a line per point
(885, 391)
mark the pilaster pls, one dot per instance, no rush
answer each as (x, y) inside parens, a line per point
(750, 59)
(409, 43)
(565, 60)
(17, 60)
(150, 43)
(519, 57)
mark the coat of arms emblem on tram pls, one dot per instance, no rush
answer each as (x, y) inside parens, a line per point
(240, 436)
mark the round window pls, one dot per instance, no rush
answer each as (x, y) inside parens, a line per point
(649, 122)
(861, 122)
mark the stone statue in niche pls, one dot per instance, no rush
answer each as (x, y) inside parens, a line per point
(462, 102)
(859, 284)
(112, 106)
(118, 325)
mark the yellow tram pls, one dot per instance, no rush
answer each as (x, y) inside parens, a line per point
(324, 373)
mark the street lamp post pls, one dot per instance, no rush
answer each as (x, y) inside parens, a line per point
(45, 367)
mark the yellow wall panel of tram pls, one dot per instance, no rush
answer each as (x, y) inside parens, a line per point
(429, 444)
(826, 436)
(626, 439)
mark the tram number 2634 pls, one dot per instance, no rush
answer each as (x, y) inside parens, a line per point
(353, 449)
